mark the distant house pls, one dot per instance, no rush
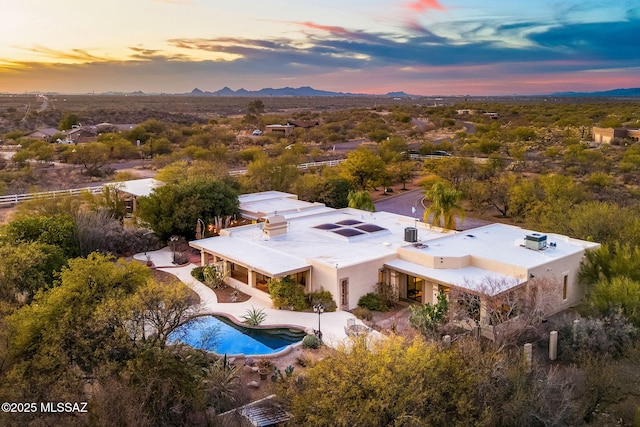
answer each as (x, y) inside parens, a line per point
(44, 133)
(134, 189)
(284, 130)
(113, 127)
(466, 112)
(304, 124)
(81, 134)
(607, 135)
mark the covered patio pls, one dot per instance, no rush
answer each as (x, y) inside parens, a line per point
(249, 267)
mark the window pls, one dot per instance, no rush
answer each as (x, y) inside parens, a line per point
(565, 286)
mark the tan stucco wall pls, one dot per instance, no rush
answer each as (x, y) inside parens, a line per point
(554, 271)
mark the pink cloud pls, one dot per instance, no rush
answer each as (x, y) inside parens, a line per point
(422, 5)
(341, 31)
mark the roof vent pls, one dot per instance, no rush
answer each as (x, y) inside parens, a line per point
(535, 241)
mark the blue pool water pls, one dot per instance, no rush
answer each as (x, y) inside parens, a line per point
(222, 336)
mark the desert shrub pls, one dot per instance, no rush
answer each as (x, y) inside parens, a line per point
(322, 297)
(198, 273)
(387, 293)
(373, 302)
(311, 341)
(362, 313)
(612, 335)
(99, 231)
(286, 293)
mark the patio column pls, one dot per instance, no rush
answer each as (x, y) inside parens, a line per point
(484, 315)
(394, 281)
(251, 278)
(427, 293)
(203, 257)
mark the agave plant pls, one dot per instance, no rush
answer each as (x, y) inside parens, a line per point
(254, 316)
(222, 382)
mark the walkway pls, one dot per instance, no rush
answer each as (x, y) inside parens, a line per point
(331, 324)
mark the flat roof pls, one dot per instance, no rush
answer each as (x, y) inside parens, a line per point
(304, 241)
(137, 187)
(248, 252)
(504, 243)
(346, 237)
(471, 278)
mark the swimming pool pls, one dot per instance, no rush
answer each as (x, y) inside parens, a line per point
(220, 335)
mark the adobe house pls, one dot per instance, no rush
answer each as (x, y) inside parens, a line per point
(607, 135)
(348, 251)
(43, 133)
(284, 130)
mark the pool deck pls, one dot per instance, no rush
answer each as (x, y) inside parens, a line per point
(332, 325)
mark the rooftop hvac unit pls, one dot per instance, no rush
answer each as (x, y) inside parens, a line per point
(535, 241)
(411, 234)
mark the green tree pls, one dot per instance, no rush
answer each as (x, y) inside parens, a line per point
(363, 168)
(620, 294)
(65, 325)
(181, 171)
(444, 206)
(426, 318)
(265, 173)
(93, 156)
(56, 230)
(156, 310)
(27, 268)
(68, 121)
(402, 172)
(285, 293)
(174, 209)
(254, 110)
(387, 382)
(393, 149)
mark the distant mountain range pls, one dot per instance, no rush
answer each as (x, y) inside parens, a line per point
(630, 92)
(286, 91)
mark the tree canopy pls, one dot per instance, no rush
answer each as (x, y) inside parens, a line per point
(174, 209)
(444, 206)
(363, 168)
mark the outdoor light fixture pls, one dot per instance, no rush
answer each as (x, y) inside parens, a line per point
(173, 240)
(200, 229)
(318, 308)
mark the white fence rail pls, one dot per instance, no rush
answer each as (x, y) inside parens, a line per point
(300, 166)
(13, 199)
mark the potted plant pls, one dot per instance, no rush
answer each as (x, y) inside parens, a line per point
(149, 262)
(265, 366)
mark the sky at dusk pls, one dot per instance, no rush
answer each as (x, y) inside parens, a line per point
(422, 47)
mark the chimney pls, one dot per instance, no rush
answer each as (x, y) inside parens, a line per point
(275, 226)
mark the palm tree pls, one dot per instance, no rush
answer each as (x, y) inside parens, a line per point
(361, 200)
(444, 206)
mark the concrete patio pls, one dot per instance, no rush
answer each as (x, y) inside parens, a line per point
(332, 325)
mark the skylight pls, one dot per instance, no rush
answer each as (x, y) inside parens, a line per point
(349, 222)
(347, 232)
(326, 226)
(370, 228)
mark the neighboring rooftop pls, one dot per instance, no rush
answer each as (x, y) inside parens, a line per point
(137, 187)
